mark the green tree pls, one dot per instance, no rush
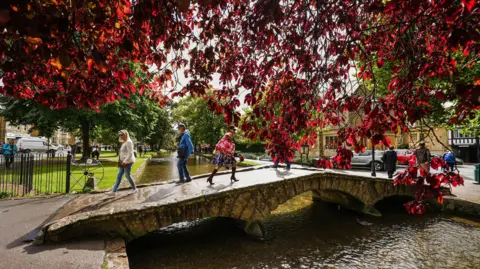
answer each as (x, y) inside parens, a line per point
(138, 114)
(205, 126)
(162, 134)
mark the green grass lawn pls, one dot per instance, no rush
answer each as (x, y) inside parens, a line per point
(51, 178)
(110, 169)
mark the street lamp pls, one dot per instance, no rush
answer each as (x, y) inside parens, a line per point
(305, 150)
(374, 173)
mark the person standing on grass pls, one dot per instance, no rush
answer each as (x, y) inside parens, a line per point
(185, 150)
(126, 159)
(140, 150)
(9, 151)
(96, 153)
(390, 161)
(225, 155)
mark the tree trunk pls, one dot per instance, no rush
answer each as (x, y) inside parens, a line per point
(86, 139)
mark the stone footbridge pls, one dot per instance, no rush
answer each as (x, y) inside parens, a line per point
(252, 199)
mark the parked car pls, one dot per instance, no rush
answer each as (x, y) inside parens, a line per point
(364, 159)
(404, 156)
(458, 161)
(59, 147)
(33, 144)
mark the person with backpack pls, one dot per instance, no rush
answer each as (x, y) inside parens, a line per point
(423, 157)
(225, 155)
(449, 158)
(185, 150)
(9, 151)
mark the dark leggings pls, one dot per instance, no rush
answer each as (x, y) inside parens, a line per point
(8, 161)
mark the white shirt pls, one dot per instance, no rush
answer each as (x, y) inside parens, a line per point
(126, 152)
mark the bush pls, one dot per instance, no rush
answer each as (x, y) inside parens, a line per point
(5, 194)
(403, 146)
(255, 148)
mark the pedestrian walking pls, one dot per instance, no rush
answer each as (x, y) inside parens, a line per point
(9, 151)
(390, 161)
(279, 157)
(449, 158)
(423, 156)
(126, 159)
(140, 150)
(185, 150)
(225, 155)
(145, 148)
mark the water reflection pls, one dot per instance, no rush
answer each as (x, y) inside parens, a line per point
(315, 236)
(167, 168)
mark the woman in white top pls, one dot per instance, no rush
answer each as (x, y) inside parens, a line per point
(126, 158)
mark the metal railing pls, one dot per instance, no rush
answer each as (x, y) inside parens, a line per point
(33, 174)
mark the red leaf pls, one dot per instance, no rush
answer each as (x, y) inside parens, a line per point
(380, 62)
(469, 4)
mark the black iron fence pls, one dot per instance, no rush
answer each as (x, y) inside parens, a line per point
(34, 174)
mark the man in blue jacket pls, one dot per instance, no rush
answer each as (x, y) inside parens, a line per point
(449, 159)
(185, 150)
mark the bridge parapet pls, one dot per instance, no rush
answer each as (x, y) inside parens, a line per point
(251, 202)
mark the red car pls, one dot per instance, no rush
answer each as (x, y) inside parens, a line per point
(404, 156)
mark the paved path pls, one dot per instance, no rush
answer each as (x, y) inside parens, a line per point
(19, 217)
(169, 192)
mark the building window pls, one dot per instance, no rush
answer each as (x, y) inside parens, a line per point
(331, 142)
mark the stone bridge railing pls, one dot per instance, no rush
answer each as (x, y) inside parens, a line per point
(250, 204)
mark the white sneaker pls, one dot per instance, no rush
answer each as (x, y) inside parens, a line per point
(133, 191)
(111, 193)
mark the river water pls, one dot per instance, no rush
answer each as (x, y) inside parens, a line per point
(167, 169)
(303, 234)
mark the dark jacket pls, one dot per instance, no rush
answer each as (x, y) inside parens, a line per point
(422, 155)
(390, 160)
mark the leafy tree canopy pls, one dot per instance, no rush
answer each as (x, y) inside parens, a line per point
(206, 127)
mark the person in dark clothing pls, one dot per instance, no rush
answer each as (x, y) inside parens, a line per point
(96, 153)
(140, 150)
(423, 157)
(390, 161)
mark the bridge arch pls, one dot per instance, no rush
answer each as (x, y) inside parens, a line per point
(251, 204)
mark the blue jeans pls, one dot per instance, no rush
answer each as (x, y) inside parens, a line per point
(124, 170)
(286, 162)
(182, 168)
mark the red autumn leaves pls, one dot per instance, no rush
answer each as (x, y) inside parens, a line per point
(428, 186)
(292, 61)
